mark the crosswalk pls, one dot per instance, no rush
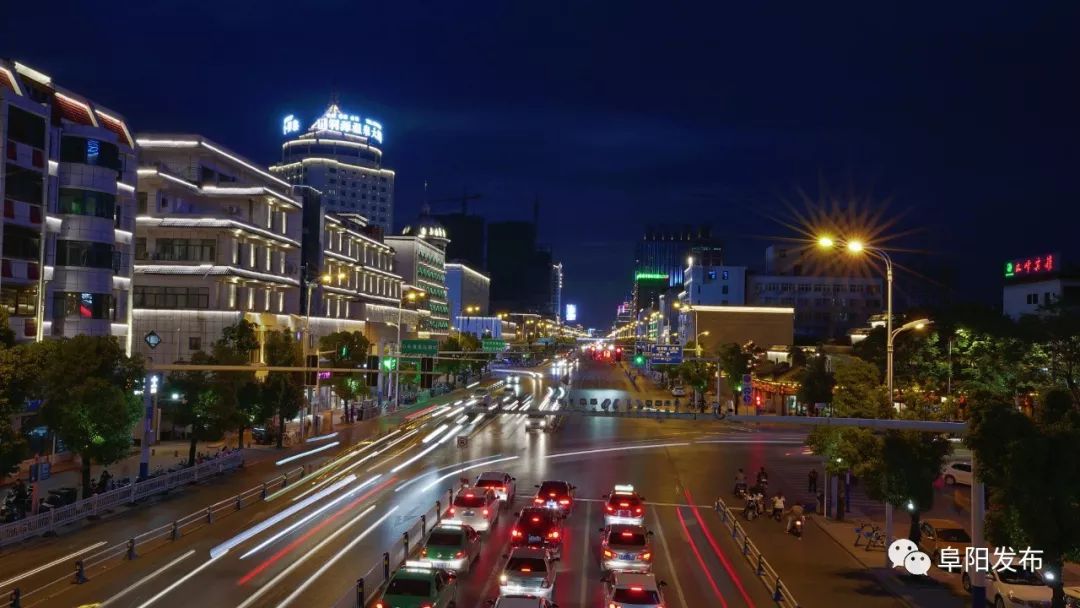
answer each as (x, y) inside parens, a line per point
(789, 474)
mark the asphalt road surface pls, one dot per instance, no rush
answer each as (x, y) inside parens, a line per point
(307, 546)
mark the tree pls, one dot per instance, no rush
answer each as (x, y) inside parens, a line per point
(283, 392)
(18, 375)
(1031, 467)
(858, 392)
(1056, 331)
(734, 362)
(238, 393)
(450, 364)
(695, 374)
(88, 385)
(198, 403)
(7, 335)
(347, 349)
(816, 381)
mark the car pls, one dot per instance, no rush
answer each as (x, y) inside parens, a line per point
(528, 571)
(940, 533)
(678, 391)
(626, 547)
(504, 486)
(536, 421)
(957, 473)
(558, 495)
(633, 590)
(1019, 589)
(480, 393)
(538, 527)
(624, 506)
(521, 601)
(452, 546)
(476, 507)
(419, 585)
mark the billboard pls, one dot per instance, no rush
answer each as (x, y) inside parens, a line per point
(571, 313)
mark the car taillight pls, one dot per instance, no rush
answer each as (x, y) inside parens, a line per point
(608, 553)
(486, 512)
(515, 533)
(638, 510)
(379, 605)
(646, 556)
(612, 605)
(610, 509)
(452, 511)
(423, 552)
(564, 501)
(624, 504)
(553, 534)
(538, 501)
(459, 554)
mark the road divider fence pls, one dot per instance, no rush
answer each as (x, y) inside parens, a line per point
(765, 572)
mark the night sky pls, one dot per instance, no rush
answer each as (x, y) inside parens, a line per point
(960, 118)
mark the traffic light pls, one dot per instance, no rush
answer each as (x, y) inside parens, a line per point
(344, 352)
(639, 360)
(388, 364)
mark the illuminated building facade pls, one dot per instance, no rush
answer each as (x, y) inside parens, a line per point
(420, 259)
(218, 239)
(340, 155)
(1036, 282)
(556, 292)
(67, 176)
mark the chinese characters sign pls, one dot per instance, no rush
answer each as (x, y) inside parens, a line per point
(1031, 266)
(336, 120)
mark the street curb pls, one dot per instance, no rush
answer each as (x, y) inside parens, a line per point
(887, 583)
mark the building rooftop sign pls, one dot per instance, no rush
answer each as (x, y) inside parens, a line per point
(336, 120)
(1038, 265)
(646, 276)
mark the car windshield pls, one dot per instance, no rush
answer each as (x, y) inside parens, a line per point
(527, 565)
(636, 595)
(636, 539)
(409, 586)
(953, 535)
(557, 488)
(470, 501)
(445, 538)
(1020, 577)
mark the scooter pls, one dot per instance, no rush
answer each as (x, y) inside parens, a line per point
(797, 526)
(740, 489)
(752, 508)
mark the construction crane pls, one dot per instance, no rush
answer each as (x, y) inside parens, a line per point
(463, 199)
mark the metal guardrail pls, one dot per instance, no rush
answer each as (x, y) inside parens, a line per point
(105, 502)
(130, 549)
(768, 576)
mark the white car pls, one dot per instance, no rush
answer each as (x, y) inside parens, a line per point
(1020, 589)
(678, 391)
(957, 473)
(624, 506)
(521, 601)
(528, 571)
(632, 590)
(477, 508)
(504, 486)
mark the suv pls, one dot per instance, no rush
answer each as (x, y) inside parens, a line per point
(626, 590)
(626, 547)
(452, 546)
(528, 571)
(538, 527)
(419, 585)
(624, 506)
(501, 483)
(557, 495)
(478, 508)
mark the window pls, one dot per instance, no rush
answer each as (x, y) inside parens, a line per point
(83, 305)
(186, 250)
(726, 275)
(194, 343)
(84, 253)
(140, 248)
(90, 152)
(1032, 298)
(25, 127)
(86, 202)
(21, 243)
(142, 198)
(19, 301)
(23, 184)
(712, 275)
(1047, 297)
(724, 290)
(173, 298)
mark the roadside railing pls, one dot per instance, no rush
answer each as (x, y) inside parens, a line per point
(768, 576)
(98, 504)
(129, 550)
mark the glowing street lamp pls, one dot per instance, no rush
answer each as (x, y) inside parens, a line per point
(826, 242)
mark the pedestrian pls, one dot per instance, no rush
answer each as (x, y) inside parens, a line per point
(811, 482)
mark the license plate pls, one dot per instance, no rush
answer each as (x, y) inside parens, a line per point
(624, 514)
(627, 556)
(470, 513)
(535, 539)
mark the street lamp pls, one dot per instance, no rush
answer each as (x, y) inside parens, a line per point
(325, 278)
(411, 296)
(697, 342)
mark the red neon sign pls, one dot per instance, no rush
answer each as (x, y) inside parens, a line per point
(1027, 266)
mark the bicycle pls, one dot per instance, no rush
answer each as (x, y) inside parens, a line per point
(859, 532)
(875, 538)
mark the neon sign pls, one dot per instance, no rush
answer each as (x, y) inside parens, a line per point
(290, 124)
(1030, 266)
(650, 276)
(336, 120)
(571, 312)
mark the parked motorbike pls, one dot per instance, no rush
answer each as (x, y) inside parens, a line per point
(57, 498)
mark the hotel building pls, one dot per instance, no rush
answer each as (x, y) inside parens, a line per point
(420, 258)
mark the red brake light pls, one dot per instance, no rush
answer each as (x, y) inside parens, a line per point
(564, 501)
(538, 501)
(486, 512)
(459, 554)
(535, 519)
(628, 534)
(515, 532)
(551, 494)
(379, 605)
(610, 509)
(646, 556)
(452, 510)
(624, 504)
(638, 589)
(553, 534)
(469, 495)
(423, 552)
(526, 569)
(637, 510)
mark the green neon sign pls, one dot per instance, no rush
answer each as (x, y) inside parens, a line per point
(649, 275)
(1009, 270)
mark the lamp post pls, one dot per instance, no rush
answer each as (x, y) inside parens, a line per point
(325, 279)
(412, 296)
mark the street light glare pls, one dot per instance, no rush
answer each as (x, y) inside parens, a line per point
(920, 325)
(705, 333)
(855, 246)
(826, 242)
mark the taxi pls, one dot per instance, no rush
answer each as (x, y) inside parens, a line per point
(452, 546)
(627, 590)
(624, 506)
(626, 547)
(528, 571)
(419, 585)
(476, 507)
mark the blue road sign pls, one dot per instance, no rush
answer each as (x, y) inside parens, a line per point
(665, 353)
(747, 389)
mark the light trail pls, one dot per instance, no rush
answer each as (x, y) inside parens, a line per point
(253, 598)
(309, 517)
(435, 433)
(716, 549)
(619, 449)
(56, 561)
(224, 547)
(321, 437)
(333, 560)
(425, 451)
(180, 581)
(342, 472)
(464, 469)
(321, 448)
(146, 579)
(700, 560)
(441, 469)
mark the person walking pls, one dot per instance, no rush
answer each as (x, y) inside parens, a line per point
(811, 481)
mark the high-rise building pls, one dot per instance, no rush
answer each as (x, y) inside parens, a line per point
(521, 272)
(467, 247)
(340, 155)
(664, 250)
(218, 239)
(420, 259)
(556, 291)
(468, 291)
(66, 233)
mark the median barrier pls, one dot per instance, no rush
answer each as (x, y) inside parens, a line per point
(765, 572)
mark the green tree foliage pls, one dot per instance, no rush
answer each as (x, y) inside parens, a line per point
(734, 363)
(88, 385)
(899, 467)
(238, 393)
(7, 335)
(695, 374)
(859, 392)
(816, 382)
(18, 382)
(347, 349)
(283, 392)
(198, 403)
(1031, 467)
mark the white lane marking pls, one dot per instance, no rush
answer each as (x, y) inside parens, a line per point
(224, 547)
(321, 437)
(147, 578)
(180, 581)
(261, 591)
(309, 517)
(440, 470)
(45, 567)
(671, 563)
(321, 448)
(652, 446)
(311, 579)
(583, 597)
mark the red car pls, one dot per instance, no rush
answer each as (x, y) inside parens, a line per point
(556, 495)
(538, 527)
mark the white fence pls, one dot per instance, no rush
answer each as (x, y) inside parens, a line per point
(781, 594)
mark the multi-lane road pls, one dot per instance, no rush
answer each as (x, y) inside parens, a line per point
(307, 546)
